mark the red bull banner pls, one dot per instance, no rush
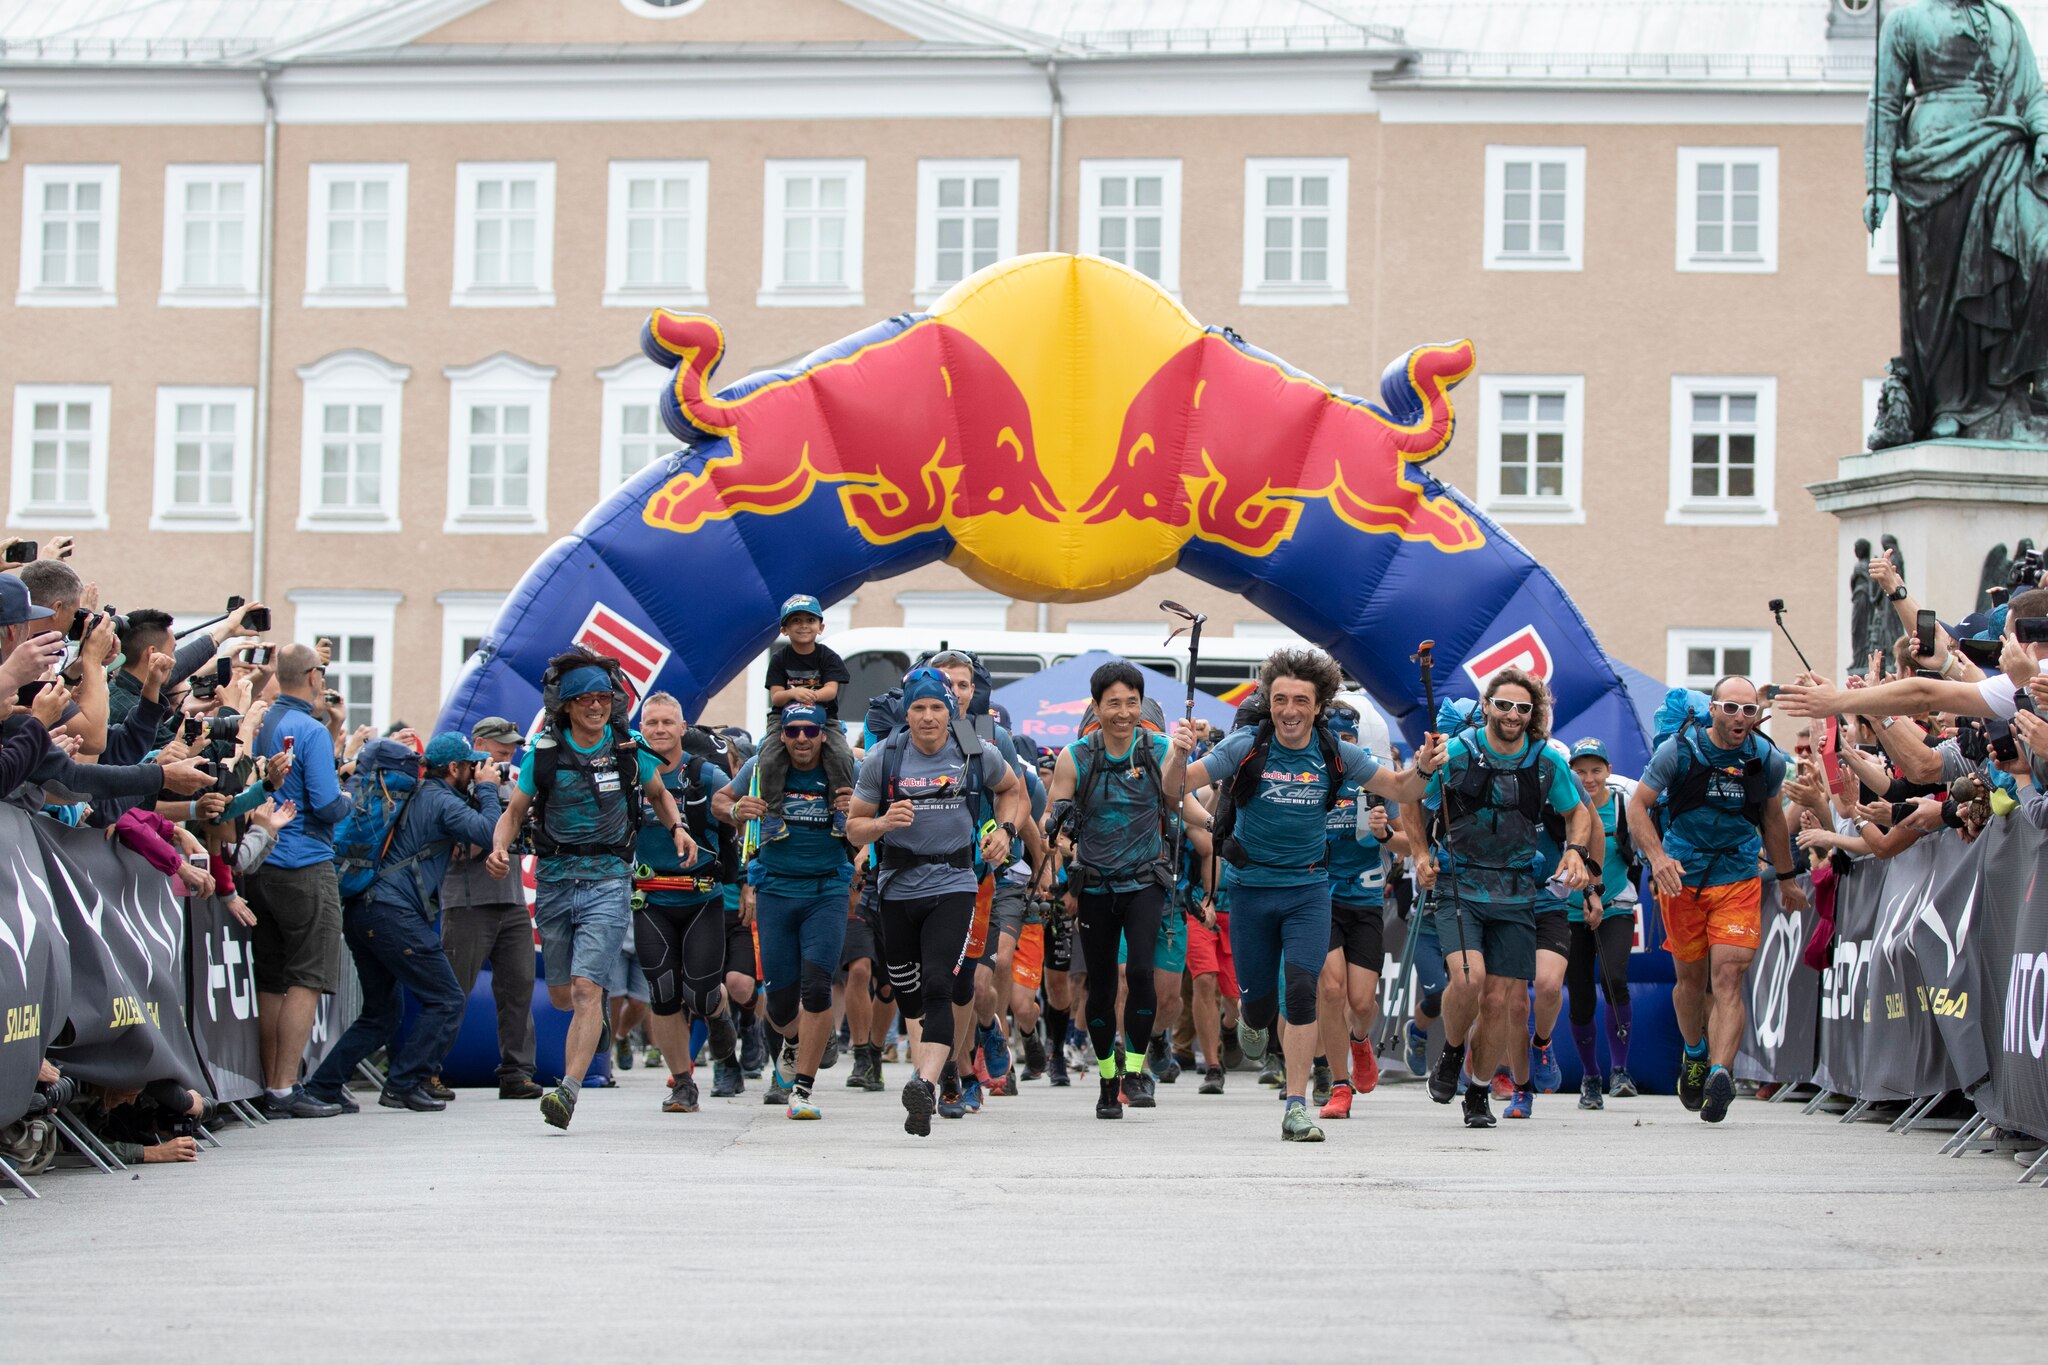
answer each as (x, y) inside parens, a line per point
(1059, 429)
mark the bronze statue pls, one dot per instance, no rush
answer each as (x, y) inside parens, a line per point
(1958, 133)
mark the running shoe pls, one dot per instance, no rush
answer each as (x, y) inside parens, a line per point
(857, 1075)
(1212, 1082)
(1621, 1085)
(1692, 1082)
(1109, 1104)
(1160, 1061)
(995, 1049)
(558, 1106)
(971, 1095)
(650, 1057)
(1503, 1084)
(726, 1080)
(803, 1107)
(432, 1085)
(1233, 1050)
(1443, 1080)
(1322, 1082)
(753, 1049)
(1416, 1051)
(682, 1095)
(1140, 1089)
(1339, 1106)
(1034, 1054)
(831, 1057)
(622, 1053)
(777, 1091)
(773, 828)
(1297, 1126)
(1519, 1106)
(1005, 1084)
(1056, 1067)
(1270, 1073)
(1478, 1113)
(950, 1106)
(918, 1103)
(1589, 1094)
(1544, 1072)
(1365, 1066)
(1719, 1094)
(1251, 1042)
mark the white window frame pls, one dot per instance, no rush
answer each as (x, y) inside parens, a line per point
(167, 515)
(1881, 248)
(467, 292)
(357, 378)
(689, 293)
(634, 380)
(1679, 639)
(1765, 262)
(320, 291)
(1004, 171)
(88, 516)
(463, 614)
(335, 613)
(1493, 251)
(175, 291)
(1333, 291)
(954, 611)
(502, 379)
(1567, 510)
(1760, 511)
(774, 292)
(33, 292)
(1093, 173)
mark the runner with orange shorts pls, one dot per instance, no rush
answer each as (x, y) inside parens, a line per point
(1704, 814)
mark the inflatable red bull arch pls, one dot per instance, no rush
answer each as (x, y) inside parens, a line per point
(1058, 428)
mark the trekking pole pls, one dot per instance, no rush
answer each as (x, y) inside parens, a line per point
(1778, 611)
(1192, 624)
(1425, 659)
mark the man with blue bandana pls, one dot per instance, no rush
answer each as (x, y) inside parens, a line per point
(584, 835)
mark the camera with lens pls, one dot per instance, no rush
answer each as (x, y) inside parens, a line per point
(2024, 571)
(202, 731)
(55, 1095)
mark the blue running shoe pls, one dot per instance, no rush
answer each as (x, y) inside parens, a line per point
(1519, 1106)
(995, 1050)
(970, 1094)
(1416, 1054)
(1544, 1074)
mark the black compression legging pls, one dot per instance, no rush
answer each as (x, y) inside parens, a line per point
(924, 941)
(1606, 963)
(682, 951)
(1134, 917)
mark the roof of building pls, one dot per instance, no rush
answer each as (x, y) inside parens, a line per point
(1763, 42)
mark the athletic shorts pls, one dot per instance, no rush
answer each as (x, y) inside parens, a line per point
(626, 978)
(742, 948)
(297, 938)
(1700, 916)
(1027, 964)
(1012, 903)
(582, 924)
(1171, 954)
(860, 943)
(1504, 933)
(1209, 954)
(1554, 932)
(1359, 932)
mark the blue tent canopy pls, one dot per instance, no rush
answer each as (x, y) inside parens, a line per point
(1046, 707)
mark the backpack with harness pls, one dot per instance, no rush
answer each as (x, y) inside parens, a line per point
(894, 859)
(1243, 786)
(693, 800)
(886, 712)
(1158, 870)
(549, 751)
(1694, 786)
(387, 777)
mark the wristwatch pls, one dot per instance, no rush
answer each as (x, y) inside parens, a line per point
(1585, 854)
(1898, 594)
(1010, 830)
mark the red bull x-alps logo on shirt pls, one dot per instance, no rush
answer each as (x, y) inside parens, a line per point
(1069, 425)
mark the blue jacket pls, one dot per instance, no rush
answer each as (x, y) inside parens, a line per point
(311, 784)
(436, 819)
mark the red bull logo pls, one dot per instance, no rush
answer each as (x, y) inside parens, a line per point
(1062, 392)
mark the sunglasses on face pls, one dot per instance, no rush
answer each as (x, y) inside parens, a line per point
(1748, 709)
(1513, 708)
(800, 731)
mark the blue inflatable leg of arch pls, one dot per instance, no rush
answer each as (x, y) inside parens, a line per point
(1058, 428)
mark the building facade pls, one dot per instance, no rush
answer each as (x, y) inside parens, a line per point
(345, 301)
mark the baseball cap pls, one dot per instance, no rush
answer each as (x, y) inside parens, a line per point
(1590, 748)
(453, 747)
(15, 606)
(496, 728)
(581, 682)
(801, 603)
(803, 713)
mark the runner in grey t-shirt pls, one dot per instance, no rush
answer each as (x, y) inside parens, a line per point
(923, 830)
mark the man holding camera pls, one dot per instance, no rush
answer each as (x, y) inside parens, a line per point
(148, 630)
(484, 918)
(297, 938)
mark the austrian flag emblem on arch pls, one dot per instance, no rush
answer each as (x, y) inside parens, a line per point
(1524, 650)
(640, 655)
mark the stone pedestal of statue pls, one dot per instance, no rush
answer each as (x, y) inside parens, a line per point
(1949, 503)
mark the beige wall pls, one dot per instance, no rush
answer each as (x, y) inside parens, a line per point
(528, 21)
(1627, 323)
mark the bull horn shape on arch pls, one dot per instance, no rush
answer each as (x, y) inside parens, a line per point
(1058, 428)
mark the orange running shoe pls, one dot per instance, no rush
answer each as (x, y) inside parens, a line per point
(1365, 1067)
(1339, 1106)
(1503, 1084)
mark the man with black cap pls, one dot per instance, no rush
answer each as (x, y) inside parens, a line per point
(390, 933)
(583, 878)
(485, 919)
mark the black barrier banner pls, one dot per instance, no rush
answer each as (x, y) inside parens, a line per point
(2010, 928)
(1903, 1058)
(1945, 943)
(35, 965)
(220, 991)
(1784, 998)
(334, 1014)
(1845, 984)
(125, 932)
